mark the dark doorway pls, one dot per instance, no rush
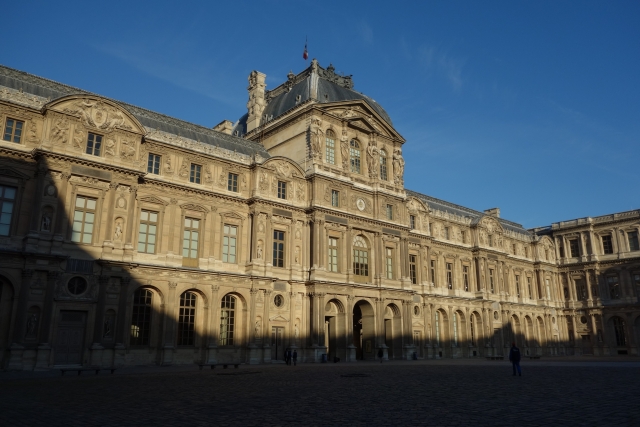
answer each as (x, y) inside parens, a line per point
(70, 338)
(277, 343)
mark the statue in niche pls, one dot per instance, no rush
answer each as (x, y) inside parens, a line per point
(78, 139)
(296, 331)
(108, 326)
(110, 147)
(259, 251)
(372, 159)
(297, 255)
(316, 135)
(258, 329)
(32, 324)
(117, 234)
(168, 168)
(344, 149)
(45, 225)
(398, 166)
(184, 170)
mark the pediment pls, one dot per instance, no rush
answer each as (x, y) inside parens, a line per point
(97, 113)
(154, 200)
(284, 167)
(194, 207)
(278, 318)
(358, 113)
(416, 205)
(231, 215)
(491, 225)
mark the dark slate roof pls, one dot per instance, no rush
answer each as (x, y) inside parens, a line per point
(328, 92)
(45, 88)
(475, 216)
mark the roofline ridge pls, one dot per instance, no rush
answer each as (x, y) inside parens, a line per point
(49, 80)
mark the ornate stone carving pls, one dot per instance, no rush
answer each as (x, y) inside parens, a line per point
(60, 131)
(184, 169)
(316, 135)
(127, 149)
(110, 146)
(98, 114)
(373, 161)
(78, 138)
(398, 167)
(344, 150)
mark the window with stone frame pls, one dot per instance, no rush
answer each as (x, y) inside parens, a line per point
(383, 165)
(449, 275)
(94, 144)
(278, 248)
(529, 287)
(492, 280)
(147, 232)
(13, 130)
(619, 327)
(389, 212)
(84, 215)
(432, 268)
(333, 254)
(229, 243)
(574, 247)
(465, 277)
(140, 329)
(190, 241)
(335, 198)
(518, 285)
(614, 286)
(581, 289)
(360, 257)
(355, 154)
(607, 245)
(7, 203)
(389, 262)
(227, 320)
(412, 268)
(187, 319)
(195, 173)
(330, 147)
(632, 237)
(282, 190)
(153, 163)
(412, 222)
(232, 182)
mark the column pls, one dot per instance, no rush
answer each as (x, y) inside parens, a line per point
(292, 319)
(62, 216)
(266, 331)
(253, 327)
(169, 326)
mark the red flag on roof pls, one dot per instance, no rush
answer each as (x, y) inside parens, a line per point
(305, 54)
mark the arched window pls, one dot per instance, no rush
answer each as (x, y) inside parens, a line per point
(227, 320)
(141, 317)
(330, 147)
(383, 165)
(618, 328)
(360, 257)
(187, 319)
(437, 329)
(355, 156)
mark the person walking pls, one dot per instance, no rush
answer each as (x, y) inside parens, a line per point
(294, 357)
(287, 356)
(380, 355)
(514, 358)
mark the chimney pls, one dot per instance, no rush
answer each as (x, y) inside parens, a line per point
(224, 126)
(493, 212)
(256, 103)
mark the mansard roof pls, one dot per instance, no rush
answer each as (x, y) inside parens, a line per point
(299, 89)
(49, 89)
(463, 212)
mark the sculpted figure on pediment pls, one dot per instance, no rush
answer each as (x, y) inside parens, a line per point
(348, 113)
(283, 169)
(98, 114)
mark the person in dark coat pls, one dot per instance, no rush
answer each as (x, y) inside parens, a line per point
(380, 355)
(514, 358)
(294, 357)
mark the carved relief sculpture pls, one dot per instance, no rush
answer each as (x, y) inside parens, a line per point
(32, 135)
(398, 167)
(127, 150)
(97, 114)
(184, 169)
(372, 159)
(110, 147)
(344, 149)
(316, 135)
(78, 138)
(60, 131)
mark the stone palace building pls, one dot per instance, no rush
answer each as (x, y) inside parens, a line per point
(130, 237)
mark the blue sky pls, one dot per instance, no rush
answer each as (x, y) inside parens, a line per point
(530, 106)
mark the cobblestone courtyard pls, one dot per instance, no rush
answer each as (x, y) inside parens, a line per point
(447, 392)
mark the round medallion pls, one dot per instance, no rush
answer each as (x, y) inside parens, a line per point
(495, 315)
(51, 190)
(583, 320)
(553, 320)
(77, 286)
(416, 310)
(360, 204)
(121, 202)
(278, 301)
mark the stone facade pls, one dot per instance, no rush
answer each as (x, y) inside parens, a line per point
(129, 237)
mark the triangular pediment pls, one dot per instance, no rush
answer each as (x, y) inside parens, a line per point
(278, 318)
(359, 114)
(153, 199)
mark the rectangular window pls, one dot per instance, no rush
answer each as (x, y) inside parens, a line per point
(83, 220)
(433, 272)
(230, 233)
(389, 262)
(333, 254)
(491, 281)
(464, 236)
(518, 286)
(94, 144)
(529, 287)
(335, 198)
(412, 269)
(450, 275)
(282, 190)
(561, 249)
(278, 248)
(389, 211)
(153, 164)
(447, 233)
(232, 182)
(607, 246)
(412, 222)
(514, 249)
(581, 288)
(633, 241)
(574, 247)
(7, 201)
(614, 288)
(13, 130)
(148, 232)
(355, 158)
(383, 165)
(360, 262)
(636, 279)
(330, 150)
(465, 277)
(196, 172)
(190, 238)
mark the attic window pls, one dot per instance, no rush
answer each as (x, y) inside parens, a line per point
(326, 96)
(235, 133)
(298, 98)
